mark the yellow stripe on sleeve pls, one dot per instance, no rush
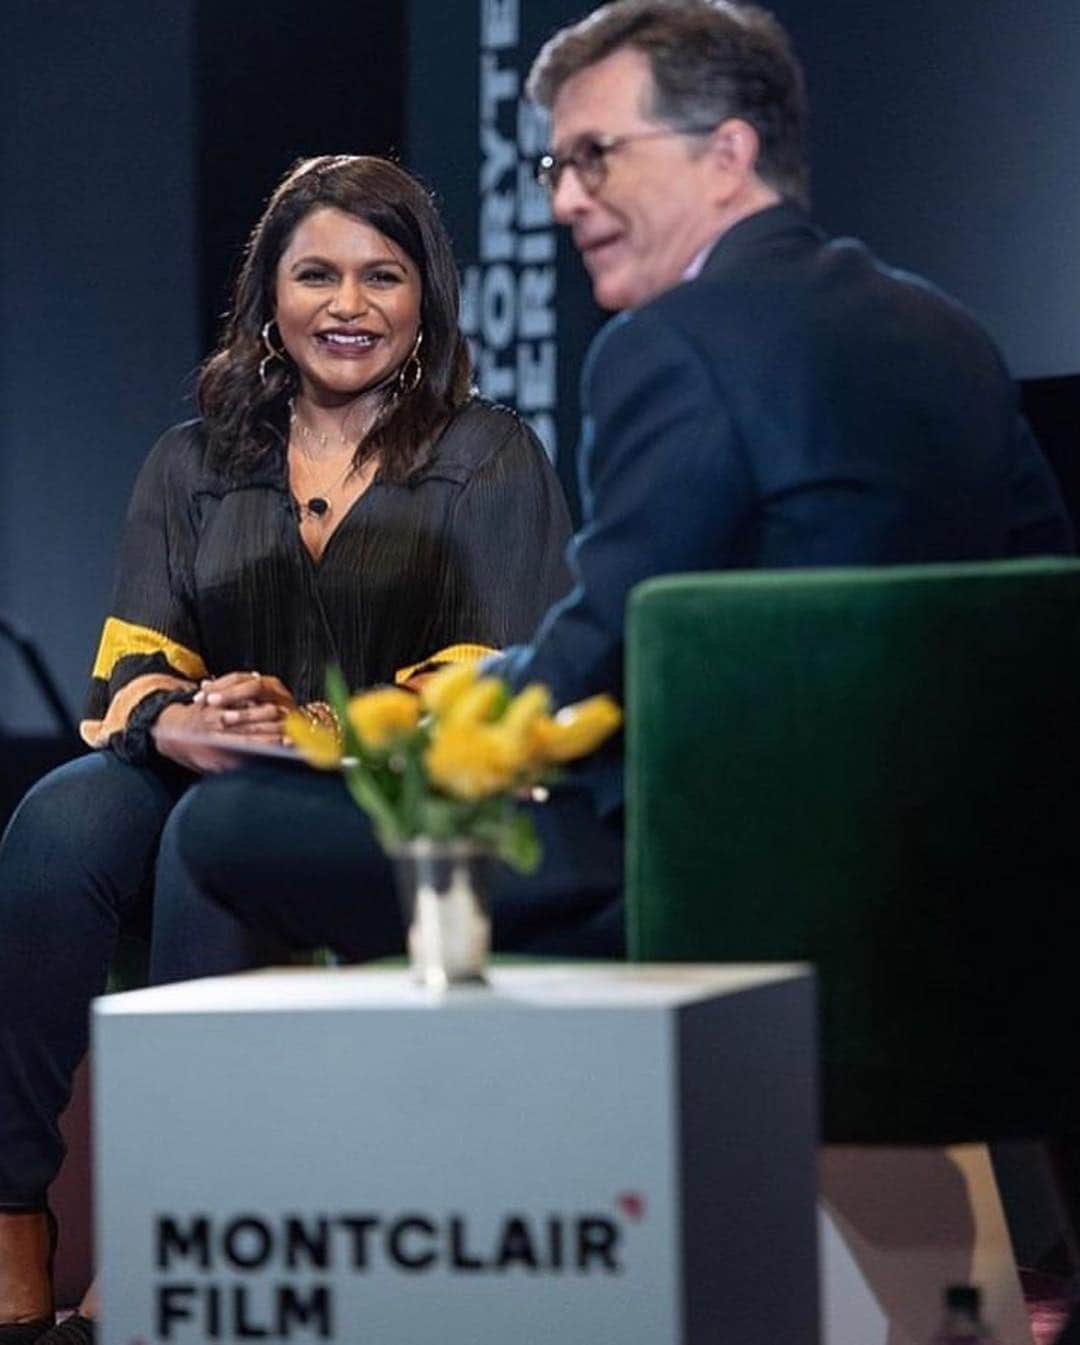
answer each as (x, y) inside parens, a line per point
(119, 639)
(455, 653)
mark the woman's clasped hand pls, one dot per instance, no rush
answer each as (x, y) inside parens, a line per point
(248, 705)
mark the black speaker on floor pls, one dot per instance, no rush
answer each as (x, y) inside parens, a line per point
(25, 757)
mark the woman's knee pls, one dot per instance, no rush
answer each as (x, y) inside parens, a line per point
(251, 840)
(209, 829)
(91, 827)
(235, 830)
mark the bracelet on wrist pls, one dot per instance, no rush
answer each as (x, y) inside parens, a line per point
(320, 714)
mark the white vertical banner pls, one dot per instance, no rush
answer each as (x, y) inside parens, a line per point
(508, 298)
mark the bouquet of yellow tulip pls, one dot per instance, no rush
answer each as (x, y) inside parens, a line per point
(453, 762)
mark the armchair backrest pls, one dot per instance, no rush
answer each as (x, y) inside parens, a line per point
(877, 771)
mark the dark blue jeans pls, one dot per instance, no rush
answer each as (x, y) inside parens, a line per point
(283, 853)
(248, 864)
(76, 865)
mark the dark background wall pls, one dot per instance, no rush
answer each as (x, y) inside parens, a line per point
(941, 133)
(140, 141)
(99, 301)
(275, 82)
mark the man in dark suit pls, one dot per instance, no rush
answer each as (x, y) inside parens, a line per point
(770, 397)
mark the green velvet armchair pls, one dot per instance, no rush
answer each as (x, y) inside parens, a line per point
(877, 771)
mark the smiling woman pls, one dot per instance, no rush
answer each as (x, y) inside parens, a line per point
(347, 303)
(347, 307)
(345, 498)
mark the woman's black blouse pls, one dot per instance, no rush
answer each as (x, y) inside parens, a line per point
(214, 577)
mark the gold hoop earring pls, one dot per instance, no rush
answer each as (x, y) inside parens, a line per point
(412, 371)
(272, 353)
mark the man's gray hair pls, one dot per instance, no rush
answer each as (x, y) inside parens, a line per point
(711, 60)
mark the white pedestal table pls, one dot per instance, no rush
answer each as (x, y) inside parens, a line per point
(577, 1153)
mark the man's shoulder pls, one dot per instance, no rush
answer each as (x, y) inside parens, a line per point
(789, 277)
(627, 339)
(666, 328)
(778, 283)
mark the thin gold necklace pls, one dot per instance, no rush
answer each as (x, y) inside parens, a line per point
(319, 505)
(322, 439)
(308, 434)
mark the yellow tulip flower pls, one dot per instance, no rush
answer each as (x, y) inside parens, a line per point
(318, 744)
(443, 688)
(527, 706)
(471, 761)
(477, 704)
(515, 725)
(381, 717)
(575, 730)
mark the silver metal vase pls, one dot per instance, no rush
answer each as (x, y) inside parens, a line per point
(443, 887)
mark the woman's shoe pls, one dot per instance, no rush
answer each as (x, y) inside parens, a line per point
(73, 1330)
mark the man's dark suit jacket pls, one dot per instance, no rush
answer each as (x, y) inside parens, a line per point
(798, 404)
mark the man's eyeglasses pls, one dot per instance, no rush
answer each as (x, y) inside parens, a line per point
(589, 157)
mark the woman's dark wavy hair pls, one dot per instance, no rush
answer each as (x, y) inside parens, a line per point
(246, 419)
